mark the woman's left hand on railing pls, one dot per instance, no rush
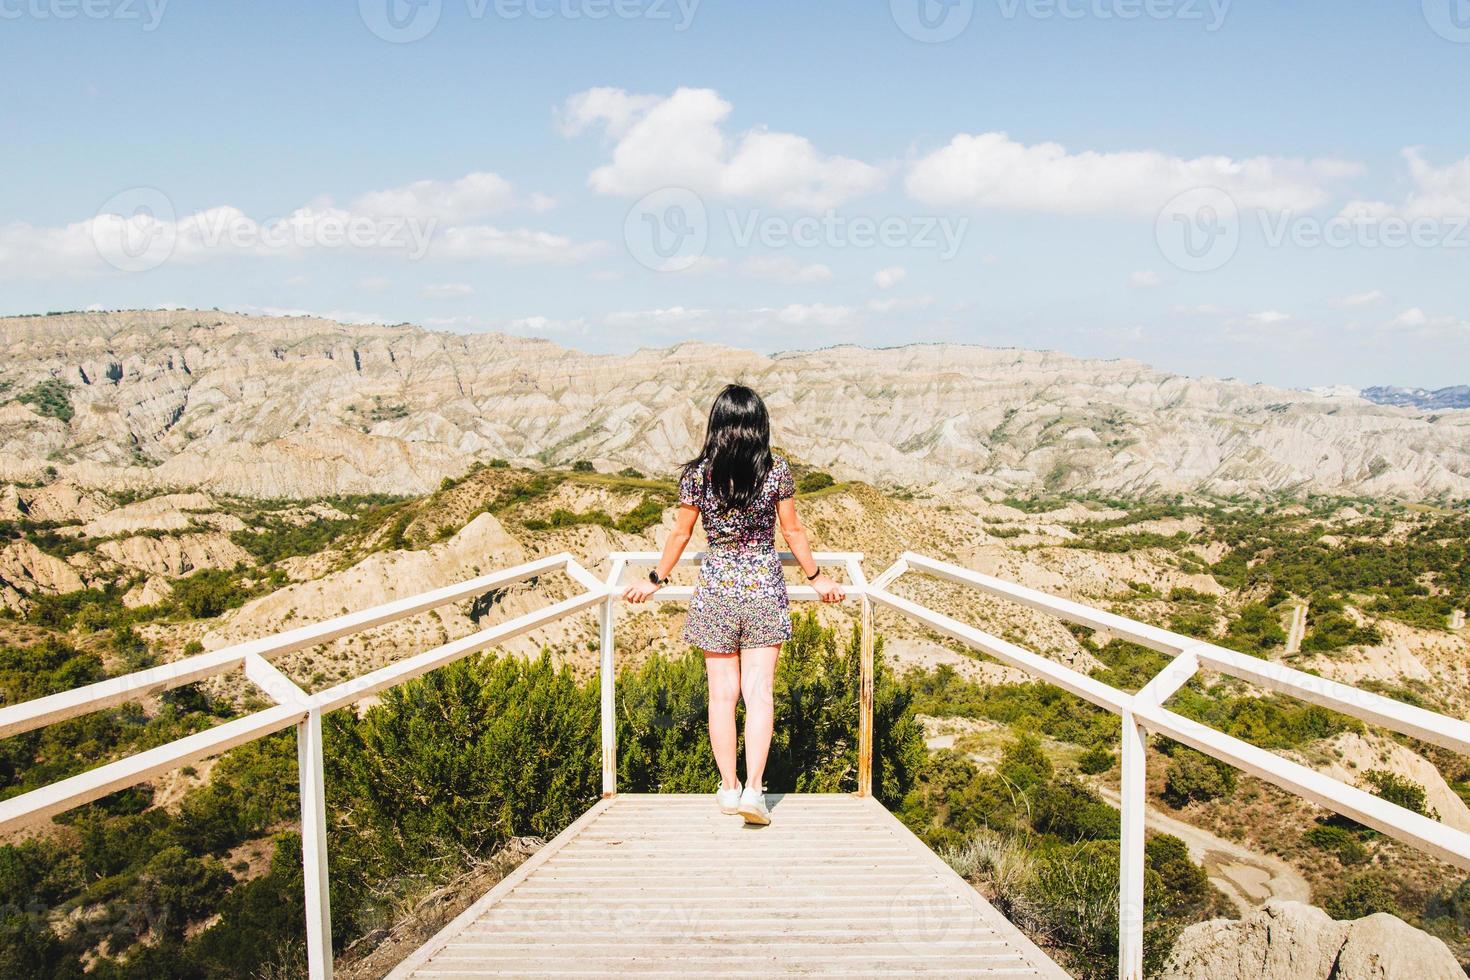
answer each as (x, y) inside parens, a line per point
(639, 591)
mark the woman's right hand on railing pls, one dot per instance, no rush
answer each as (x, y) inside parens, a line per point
(829, 590)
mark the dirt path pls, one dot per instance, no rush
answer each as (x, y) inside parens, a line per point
(1249, 877)
(1298, 631)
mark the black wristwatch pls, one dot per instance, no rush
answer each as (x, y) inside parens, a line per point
(813, 576)
(653, 577)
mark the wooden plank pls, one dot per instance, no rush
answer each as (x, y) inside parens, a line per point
(986, 911)
(836, 885)
(422, 955)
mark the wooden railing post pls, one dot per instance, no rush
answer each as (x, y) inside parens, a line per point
(865, 701)
(607, 676)
(309, 760)
(1131, 852)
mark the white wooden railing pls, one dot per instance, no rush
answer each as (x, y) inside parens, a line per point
(1144, 711)
(1140, 712)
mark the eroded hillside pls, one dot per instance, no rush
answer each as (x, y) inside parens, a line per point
(269, 407)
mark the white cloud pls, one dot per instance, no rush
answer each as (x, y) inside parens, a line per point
(671, 321)
(777, 323)
(991, 170)
(814, 315)
(899, 304)
(1439, 193)
(614, 108)
(519, 245)
(447, 290)
(472, 196)
(425, 219)
(538, 325)
(339, 316)
(783, 268)
(1371, 297)
(374, 284)
(1416, 322)
(1145, 279)
(680, 141)
(1127, 335)
(890, 277)
(1268, 318)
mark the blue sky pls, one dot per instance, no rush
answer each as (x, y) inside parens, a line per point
(1276, 192)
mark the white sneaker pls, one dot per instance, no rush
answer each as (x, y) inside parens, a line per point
(728, 799)
(753, 807)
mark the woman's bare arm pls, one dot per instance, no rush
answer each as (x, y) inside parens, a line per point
(673, 550)
(801, 549)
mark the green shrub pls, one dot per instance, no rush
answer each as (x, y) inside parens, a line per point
(209, 592)
(1364, 894)
(813, 481)
(1338, 841)
(1193, 776)
(642, 517)
(51, 398)
(1255, 631)
(1400, 790)
(1096, 760)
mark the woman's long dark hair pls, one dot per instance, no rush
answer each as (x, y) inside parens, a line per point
(737, 447)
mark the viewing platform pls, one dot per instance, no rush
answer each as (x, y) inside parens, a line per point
(666, 885)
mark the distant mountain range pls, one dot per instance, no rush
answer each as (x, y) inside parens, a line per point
(303, 407)
(1456, 397)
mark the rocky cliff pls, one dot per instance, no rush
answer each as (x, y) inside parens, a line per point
(300, 407)
(1292, 941)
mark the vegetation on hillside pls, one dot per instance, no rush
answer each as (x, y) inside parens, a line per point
(51, 398)
(444, 770)
(447, 770)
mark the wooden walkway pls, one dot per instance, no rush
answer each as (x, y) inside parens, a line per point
(662, 885)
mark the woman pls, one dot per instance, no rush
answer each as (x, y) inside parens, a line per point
(738, 614)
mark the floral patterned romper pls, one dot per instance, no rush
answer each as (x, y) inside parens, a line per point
(740, 602)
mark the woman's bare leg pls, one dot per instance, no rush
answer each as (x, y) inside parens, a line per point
(757, 686)
(724, 690)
